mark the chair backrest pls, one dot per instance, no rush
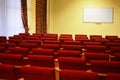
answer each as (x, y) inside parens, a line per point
(102, 66)
(72, 63)
(41, 51)
(69, 53)
(72, 47)
(113, 76)
(95, 48)
(37, 73)
(96, 56)
(41, 60)
(13, 59)
(7, 72)
(78, 75)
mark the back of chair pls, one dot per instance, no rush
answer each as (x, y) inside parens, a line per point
(113, 76)
(37, 73)
(72, 63)
(7, 72)
(41, 60)
(78, 75)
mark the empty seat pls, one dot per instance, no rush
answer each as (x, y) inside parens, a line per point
(13, 59)
(37, 73)
(3, 39)
(72, 63)
(111, 37)
(72, 42)
(7, 72)
(51, 42)
(2, 49)
(17, 50)
(92, 43)
(113, 76)
(92, 37)
(95, 48)
(117, 56)
(72, 47)
(41, 51)
(96, 56)
(28, 45)
(69, 53)
(41, 60)
(50, 46)
(78, 75)
(102, 66)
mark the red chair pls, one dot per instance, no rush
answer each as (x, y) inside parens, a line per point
(7, 45)
(41, 51)
(96, 56)
(72, 47)
(92, 37)
(117, 56)
(78, 75)
(37, 73)
(68, 53)
(102, 66)
(7, 72)
(113, 76)
(51, 42)
(28, 45)
(115, 49)
(51, 46)
(72, 63)
(17, 50)
(111, 37)
(41, 60)
(95, 48)
(12, 59)
(72, 42)
(2, 49)
(92, 43)
(3, 39)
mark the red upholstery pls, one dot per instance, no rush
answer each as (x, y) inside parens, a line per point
(95, 48)
(51, 42)
(72, 63)
(115, 49)
(72, 47)
(78, 75)
(111, 37)
(37, 73)
(117, 56)
(95, 37)
(50, 46)
(28, 45)
(68, 53)
(2, 49)
(13, 59)
(96, 56)
(7, 72)
(113, 76)
(16, 50)
(92, 43)
(105, 66)
(72, 42)
(40, 60)
(41, 51)
(3, 39)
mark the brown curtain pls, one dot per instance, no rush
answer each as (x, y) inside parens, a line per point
(24, 15)
(41, 16)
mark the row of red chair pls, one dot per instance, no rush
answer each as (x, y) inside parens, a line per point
(74, 63)
(9, 72)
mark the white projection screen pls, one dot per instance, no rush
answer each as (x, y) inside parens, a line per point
(98, 15)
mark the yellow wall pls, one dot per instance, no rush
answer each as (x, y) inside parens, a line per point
(65, 16)
(31, 15)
